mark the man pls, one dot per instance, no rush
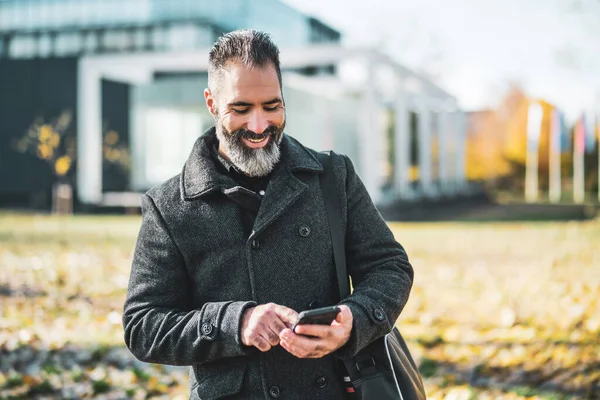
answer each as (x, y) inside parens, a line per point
(231, 250)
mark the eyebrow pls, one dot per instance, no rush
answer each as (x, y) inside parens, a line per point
(274, 100)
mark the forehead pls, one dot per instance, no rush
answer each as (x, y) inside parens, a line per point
(251, 84)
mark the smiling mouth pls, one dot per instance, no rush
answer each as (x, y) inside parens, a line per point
(257, 140)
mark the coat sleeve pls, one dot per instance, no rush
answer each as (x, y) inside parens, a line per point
(381, 274)
(160, 324)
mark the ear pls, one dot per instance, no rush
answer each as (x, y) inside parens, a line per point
(211, 103)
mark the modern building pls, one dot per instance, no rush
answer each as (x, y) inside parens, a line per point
(125, 78)
(43, 43)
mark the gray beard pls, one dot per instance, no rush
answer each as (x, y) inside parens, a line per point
(252, 162)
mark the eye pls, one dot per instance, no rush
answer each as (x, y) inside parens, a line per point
(271, 109)
(240, 111)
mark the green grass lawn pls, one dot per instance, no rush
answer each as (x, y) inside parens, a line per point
(498, 310)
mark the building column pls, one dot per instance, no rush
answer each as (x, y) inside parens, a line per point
(460, 149)
(89, 135)
(402, 143)
(424, 137)
(370, 137)
(443, 139)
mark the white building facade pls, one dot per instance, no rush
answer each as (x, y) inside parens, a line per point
(405, 135)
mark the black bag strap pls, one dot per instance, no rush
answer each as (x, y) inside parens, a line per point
(334, 215)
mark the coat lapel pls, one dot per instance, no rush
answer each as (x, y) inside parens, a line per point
(200, 176)
(285, 187)
(283, 191)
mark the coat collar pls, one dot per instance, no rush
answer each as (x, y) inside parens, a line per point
(201, 176)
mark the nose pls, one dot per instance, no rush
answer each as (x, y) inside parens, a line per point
(258, 122)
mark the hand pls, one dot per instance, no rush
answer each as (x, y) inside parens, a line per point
(262, 325)
(327, 338)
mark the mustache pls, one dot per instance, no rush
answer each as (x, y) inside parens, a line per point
(271, 130)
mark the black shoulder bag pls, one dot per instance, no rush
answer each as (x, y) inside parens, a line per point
(383, 370)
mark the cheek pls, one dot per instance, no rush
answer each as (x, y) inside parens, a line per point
(278, 118)
(233, 122)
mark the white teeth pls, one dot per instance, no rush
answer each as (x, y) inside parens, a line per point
(256, 141)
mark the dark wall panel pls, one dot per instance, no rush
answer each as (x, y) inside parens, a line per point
(39, 91)
(115, 117)
(32, 92)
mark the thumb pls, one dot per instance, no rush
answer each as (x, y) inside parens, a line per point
(344, 317)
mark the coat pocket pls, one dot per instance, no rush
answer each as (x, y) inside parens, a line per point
(217, 379)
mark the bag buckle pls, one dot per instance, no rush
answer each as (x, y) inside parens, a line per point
(365, 364)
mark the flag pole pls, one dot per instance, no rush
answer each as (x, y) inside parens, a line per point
(555, 157)
(534, 121)
(578, 163)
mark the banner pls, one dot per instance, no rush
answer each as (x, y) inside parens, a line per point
(565, 134)
(590, 134)
(534, 124)
(579, 133)
(555, 132)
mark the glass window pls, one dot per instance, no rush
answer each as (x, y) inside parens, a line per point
(43, 14)
(3, 17)
(68, 43)
(44, 46)
(158, 38)
(123, 40)
(22, 47)
(182, 37)
(166, 153)
(12, 17)
(90, 42)
(140, 39)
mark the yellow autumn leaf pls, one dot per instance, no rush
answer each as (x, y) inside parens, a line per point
(152, 382)
(44, 151)
(62, 165)
(30, 380)
(46, 133)
(54, 140)
(413, 173)
(111, 138)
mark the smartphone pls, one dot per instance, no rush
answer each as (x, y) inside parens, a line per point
(318, 316)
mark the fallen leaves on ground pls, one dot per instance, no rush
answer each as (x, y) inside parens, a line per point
(497, 311)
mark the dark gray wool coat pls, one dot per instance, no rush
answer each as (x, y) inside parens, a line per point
(194, 272)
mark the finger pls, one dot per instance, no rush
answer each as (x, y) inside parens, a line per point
(304, 347)
(271, 336)
(345, 315)
(285, 335)
(288, 348)
(277, 325)
(261, 344)
(286, 314)
(321, 331)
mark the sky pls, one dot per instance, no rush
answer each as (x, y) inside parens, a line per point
(476, 49)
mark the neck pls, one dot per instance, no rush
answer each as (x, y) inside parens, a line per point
(222, 152)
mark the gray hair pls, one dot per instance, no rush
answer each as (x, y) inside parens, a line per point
(250, 47)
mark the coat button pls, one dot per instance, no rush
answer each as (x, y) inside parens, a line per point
(379, 314)
(304, 231)
(207, 328)
(255, 244)
(322, 382)
(274, 392)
